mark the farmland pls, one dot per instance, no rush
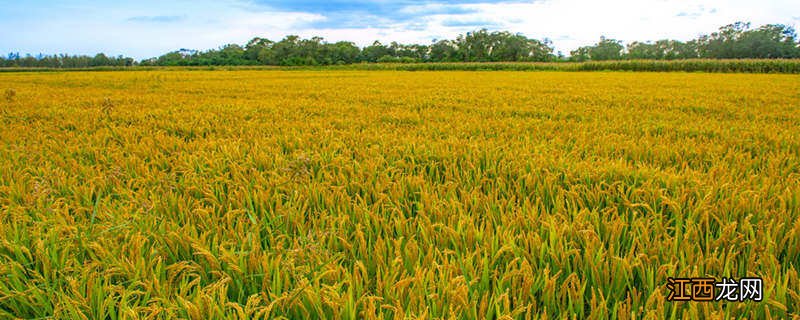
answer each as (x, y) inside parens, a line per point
(391, 194)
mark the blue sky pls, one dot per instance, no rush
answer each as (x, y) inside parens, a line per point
(148, 28)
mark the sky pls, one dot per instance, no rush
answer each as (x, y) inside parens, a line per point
(149, 28)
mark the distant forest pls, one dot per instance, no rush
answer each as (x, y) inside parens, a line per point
(734, 41)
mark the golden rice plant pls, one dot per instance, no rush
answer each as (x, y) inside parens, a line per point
(10, 94)
(392, 195)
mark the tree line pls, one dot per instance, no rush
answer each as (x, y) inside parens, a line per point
(65, 61)
(734, 41)
(478, 46)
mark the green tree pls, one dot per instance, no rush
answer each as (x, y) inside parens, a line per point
(374, 52)
(343, 52)
(257, 49)
(443, 51)
(766, 42)
(606, 49)
(581, 54)
(662, 50)
(100, 60)
(721, 44)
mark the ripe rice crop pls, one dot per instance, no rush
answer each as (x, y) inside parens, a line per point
(386, 194)
(692, 65)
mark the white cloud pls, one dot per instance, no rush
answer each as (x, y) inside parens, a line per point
(123, 28)
(574, 23)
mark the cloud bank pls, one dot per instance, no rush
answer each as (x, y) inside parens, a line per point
(149, 28)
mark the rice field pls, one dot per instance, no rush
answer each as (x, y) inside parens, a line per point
(346, 194)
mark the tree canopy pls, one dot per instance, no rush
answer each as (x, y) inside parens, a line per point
(733, 41)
